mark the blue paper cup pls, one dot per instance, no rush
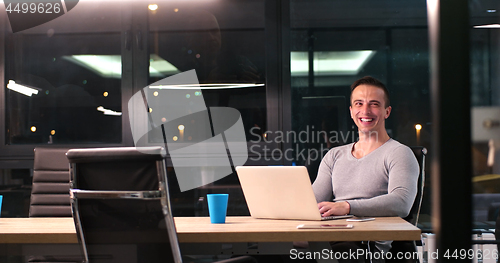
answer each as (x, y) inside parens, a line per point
(217, 207)
(1, 199)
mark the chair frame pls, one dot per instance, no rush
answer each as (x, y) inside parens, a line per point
(422, 181)
(160, 194)
(417, 203)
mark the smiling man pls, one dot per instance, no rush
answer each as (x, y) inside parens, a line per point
(375, 176)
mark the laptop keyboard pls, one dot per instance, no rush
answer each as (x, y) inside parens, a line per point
(336, 217)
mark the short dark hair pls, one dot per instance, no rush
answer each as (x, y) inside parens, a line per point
(373, 82)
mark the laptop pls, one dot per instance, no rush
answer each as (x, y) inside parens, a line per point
(280, 192)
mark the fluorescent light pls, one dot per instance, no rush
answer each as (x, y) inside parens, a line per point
(488, 26)
(21, 89)
(209, 86)
(109, 112)
(158, 67)
(110, 66)
(319, 97)
(330, 63)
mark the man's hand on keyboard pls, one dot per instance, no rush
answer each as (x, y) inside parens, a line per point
(334, 208)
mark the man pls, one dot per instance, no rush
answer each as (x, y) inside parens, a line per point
(375, 176)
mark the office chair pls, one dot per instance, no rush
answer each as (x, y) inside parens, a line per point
(50, 189)
(410, 246)
(497, 232)
(50, 195)
(120, 201)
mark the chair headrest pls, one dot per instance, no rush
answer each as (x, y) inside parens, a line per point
(114, 154)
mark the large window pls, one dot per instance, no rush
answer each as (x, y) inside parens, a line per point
(68, 82)
(63, 79)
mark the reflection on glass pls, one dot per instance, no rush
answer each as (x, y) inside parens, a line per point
(153, 7)
(21, 88)
(107, 66)
(488, 26)
(110, 66)
(330, 63)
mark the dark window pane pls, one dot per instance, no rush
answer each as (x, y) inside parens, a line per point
(485, 115)
(224, 42)
(222, 47)
(71, 68)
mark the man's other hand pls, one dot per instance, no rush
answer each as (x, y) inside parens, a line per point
(334, 208)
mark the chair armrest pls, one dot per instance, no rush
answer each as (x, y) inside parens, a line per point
(90, 194)
(242, 259)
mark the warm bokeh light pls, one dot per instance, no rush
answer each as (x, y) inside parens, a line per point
(33, 129)
(176, 10)
(418, 127)
(181, 127)
(153, 7)
(105, 94)
(150, 110)
(175, 138)
(163, 119)
(52, 132)
(155, 93)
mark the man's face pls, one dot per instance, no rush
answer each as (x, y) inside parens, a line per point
(368, 108)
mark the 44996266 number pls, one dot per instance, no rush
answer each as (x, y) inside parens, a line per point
(38, 8)
(470, 254)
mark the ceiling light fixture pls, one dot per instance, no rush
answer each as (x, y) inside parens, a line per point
(209, 86)
(153, 7)
(488, 26)
(330, 63)
(21, 88)
(109, 112)
(110, 66)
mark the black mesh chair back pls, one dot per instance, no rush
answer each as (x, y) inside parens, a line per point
(119, 196)
(50, 190)
(414, 214)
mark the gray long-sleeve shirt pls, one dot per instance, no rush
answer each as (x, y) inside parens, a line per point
(382, 183)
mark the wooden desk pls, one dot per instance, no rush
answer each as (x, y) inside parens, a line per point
(37, 231)
(247, 229)
(200, 230)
